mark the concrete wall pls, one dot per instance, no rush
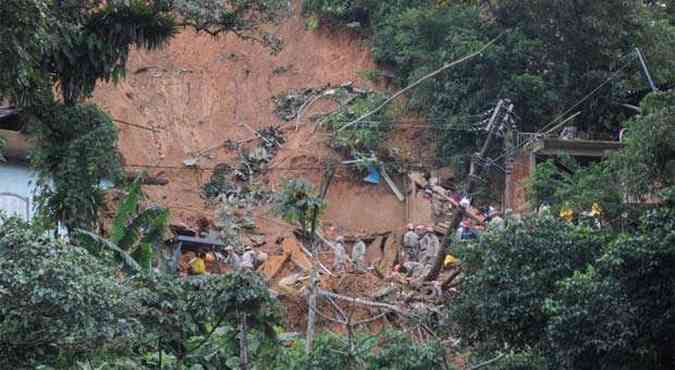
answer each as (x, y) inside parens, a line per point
(523, 167)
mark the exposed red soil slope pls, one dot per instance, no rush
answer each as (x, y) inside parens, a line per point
(198, 90)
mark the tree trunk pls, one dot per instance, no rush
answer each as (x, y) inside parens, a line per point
(443, 250)
(311, 317)
(326, 180)
(243, 342)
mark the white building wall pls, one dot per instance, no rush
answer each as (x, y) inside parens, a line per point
(17, 185)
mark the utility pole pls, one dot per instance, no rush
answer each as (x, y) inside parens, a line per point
(509, 149)
(470, 182)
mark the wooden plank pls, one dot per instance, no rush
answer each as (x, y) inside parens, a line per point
(374, 252)
(418, 179)
(472, 212)
(391, 254)
(293, 248)
(392, 185)
(273, 265)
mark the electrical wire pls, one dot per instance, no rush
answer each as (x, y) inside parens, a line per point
(579, 102)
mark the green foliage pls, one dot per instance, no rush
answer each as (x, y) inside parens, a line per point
(543, 183)
(362, 11)
(296, 202)
(23, 36)
(136, 235)
(57, 302)
(647, 163)
(555, 53)
(511, 274)
(78, 43)
(582, 299)
(74, 151)
(620, 314)
(215, 17)
(578, 190)
(364, 139)
(390, 350)
(195, 320)
(92, 44)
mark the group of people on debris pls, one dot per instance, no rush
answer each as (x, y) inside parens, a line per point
(249, 260)
(421, 246)
(358, 258)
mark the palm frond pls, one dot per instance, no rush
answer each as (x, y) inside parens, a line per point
(125, 211)
(122, 255)
(150, 224)
(143, 256)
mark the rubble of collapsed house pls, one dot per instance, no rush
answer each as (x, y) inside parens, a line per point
(374, 288)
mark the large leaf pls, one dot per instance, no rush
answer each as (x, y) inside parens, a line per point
(148, 225)
(125, 211)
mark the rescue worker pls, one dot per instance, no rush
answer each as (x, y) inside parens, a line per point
(359, 256)
(411, 243)
(340, 254)
(251, 259)
(233, 259)
(423, 243)
(414, 270)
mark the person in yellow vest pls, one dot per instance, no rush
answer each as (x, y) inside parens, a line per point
(596, 210)
(197, 264)
(567, 214)
(450, 261)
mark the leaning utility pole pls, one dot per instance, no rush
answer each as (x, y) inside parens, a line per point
(470, 182)
(469, 186)
(509, 151)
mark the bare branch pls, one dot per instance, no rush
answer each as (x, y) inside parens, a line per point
(325, 293)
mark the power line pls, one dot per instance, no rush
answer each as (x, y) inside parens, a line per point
(579, 102)
(136, 125)
(271, 169)
(582, 100)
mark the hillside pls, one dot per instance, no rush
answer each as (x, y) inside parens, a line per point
(195, 93)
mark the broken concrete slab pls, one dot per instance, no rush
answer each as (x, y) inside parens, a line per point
(390, 254)
(273, 265)
(374, 252)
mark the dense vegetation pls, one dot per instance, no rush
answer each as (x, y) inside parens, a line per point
(554, 54)
(594, 289)
(68, 47)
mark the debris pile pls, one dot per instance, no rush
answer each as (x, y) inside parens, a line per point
(253, 163)
(286, 106)
(235, 184)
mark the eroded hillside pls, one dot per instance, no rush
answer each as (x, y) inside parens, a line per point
(200, 91)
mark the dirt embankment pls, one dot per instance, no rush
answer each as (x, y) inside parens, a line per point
(198, 91)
